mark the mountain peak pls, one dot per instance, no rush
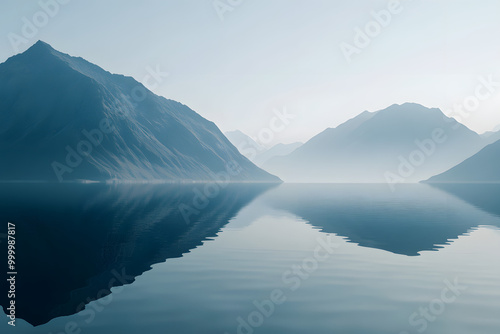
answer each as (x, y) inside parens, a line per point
(41, 43)
(370, 146)
(40, 46)
(408, 107)
(42, 55)
(38, 53)
(66, 99)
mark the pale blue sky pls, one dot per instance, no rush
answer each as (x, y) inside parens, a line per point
(276, 54)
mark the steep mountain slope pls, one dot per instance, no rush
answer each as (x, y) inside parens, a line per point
(63, 118)
(403, 143)
(483, 167)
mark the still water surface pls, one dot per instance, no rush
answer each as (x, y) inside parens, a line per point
(254, 259)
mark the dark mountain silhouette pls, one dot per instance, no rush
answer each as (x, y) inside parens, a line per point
(483, 167)
(63, 118)
(407, 141)
(78, 241)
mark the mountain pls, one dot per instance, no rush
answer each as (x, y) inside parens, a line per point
(277, 150)
(243, 141)
(483, 167)
(403, 143)
(255, 152)
(491, 137)
(63, 118)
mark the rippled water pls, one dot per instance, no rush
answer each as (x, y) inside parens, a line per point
(254, 259)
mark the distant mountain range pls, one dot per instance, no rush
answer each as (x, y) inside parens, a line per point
(483, 167)
(244, 143)
(257, 153)
(63, 118)
(403, 143)
(491, 136)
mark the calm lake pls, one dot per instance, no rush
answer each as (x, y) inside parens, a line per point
(290, 258)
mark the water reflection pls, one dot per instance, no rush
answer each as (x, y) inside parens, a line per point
(75, 242)
(483, 196)
(412, 219)
(78, 241)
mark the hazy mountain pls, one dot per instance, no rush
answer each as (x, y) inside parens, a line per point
(403, 143)
(484, 167)
(491, 137)
(62, 117)
(243, 142)
(277, 150)
(255, 152)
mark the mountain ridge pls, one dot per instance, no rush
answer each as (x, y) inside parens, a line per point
(367, 147)
(483, 167)
(48, 99)
(256, 152)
